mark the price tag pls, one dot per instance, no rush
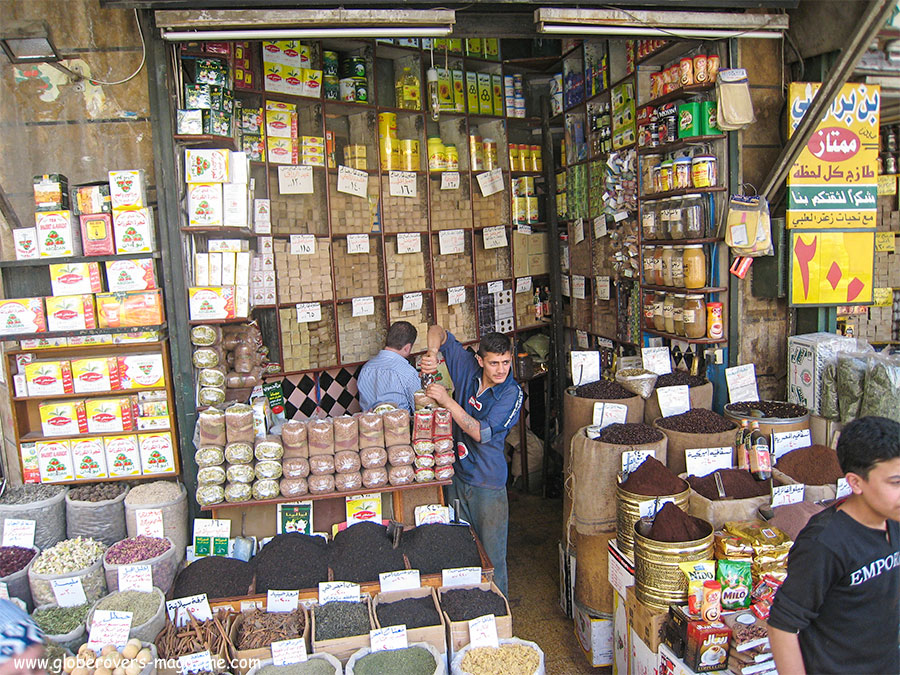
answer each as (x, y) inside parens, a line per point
(578, 286)
(412, 302)
(357, 243)
(483, 632)
(782, 495)
(196, 605)
(620, 216)
(149, 522)
(581, 337)
(494, 237)
(784, 442)
(364, 306)
(599, 227)
(400, 580)
(461, 576)
(602, 288)
(490, 182)
(524, 228)
(523, 284)
(68, 592)
(200, 662)
(456, 295)
(650, 508)
(564, 257)
(211, 537)
(250, 605)
(657, 360)
(450, 180)
(495, 287)
(282, 601)
(578, 231)
(136, 578)
(303, 244)
(632, 459)
(409, 242)
(564, 284)
(843, 488)
(286, 652)
(109, 628)
(353, 181)
(309, 312)
(295, 180)
(338, 591)
(585, 367)
(609, 413)
(451, 241)
(402, 183)
(389, 637)
(18, 532)
(674, 400)
(885, 242)
(741, 383)
(703, 461)
(604, 342)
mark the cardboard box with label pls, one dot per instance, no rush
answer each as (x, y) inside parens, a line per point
(141, 371)
(595, 635)
(212, 302)
(97, 234)
(22, 315)
(157, 453)
(99, 373)
(647, 623)
(49, 378)
(808, 355)
(71, 312)
(127, 189)
(88, 459)
(25, 242)
(207, 166)
(133, 231)
(55, 461)
(458, 631)
(621, 569)
(75, 278)
(57, 234)
(63, 418)
(131, 275)
(434, 635)
(621, 637)
(109, 415)
(130, 308)
(122, 455)
(31, 466)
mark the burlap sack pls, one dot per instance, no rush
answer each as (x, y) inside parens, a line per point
(701, 397)
(679, 441)
(579, 412)
(592, 587)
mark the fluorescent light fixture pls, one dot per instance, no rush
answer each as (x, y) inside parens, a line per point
(301, 33)
(28, 42)
(710, 34)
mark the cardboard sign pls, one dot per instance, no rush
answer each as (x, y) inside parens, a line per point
(578, 231)
(338, 591)
(364, 306)
(602, 284)
(578, 286)
(195, 663)
(461, 576)
(632, 459)
(286, 652)
(109, 628)
(523, 285)
(495, 287)
(136, 578)
(357, 243)
(456, 295)
(585, 367)
(657, 360)
(400, 580)
(389, 637)
(451, 241)
(450, 180)
(494, 237)
(68, 592)
(674, 400)
(282, 601)
(782, 495)
(490, 182)
(18, 532)
(303, 244)
(599, 227)
(524, 228)
(703, 461)
(309, 312)
(353, 181)
(784, 442)
(196, 605)
(483, 631)
(609, 413)
(741, 383)
(295, 180)
(402, 183)
(409, 242)
(581, 338)
(149, 522)
(412, 302)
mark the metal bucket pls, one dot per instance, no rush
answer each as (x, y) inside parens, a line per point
(628, 512)
(658, 581)
(770, 425)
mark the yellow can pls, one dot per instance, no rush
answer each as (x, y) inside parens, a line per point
(476, 152)
(524, 157)
(519, 210)
(387, 125)
(389, 149)
(514, 156)
(437, 160)
(452, 156)
(409, 154)
(489, 148)
(537, 163)
(527, 186)
(531, 208)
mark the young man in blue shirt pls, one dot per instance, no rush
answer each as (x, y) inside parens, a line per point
(486, 406)
(388, 377)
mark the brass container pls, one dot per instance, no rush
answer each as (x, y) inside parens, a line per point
(628, 512)
(658, 581)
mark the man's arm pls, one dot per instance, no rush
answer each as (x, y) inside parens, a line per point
(437, 336)
(468, 424)
(786, 650)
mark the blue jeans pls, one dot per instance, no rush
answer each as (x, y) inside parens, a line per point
(488, 512)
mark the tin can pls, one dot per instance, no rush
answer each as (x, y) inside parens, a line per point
(704, 171)
(476, 152)
(451, 154)
(527, 186)
(686, 71)
(711, 605)
(354, 66)
(330, 63)
(389, 149)
(387, 125)
(519, 210)
(347, 89)
(531, 204)
(700, 69)
(537, 163)
(709, 119)
(489, 147)
(524, 157)
(332, 88)
(514, 156)
(712, 67)
(361, 89)
(409, 154)
(437, 159)
(715, 326)
(688, 119)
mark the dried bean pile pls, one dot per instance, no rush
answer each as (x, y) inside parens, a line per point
(197, 636)
(14, 558)
(362, 552)
(738, 484)
(97, 492)
(260, 629)
(815, 465)
(136, 549)
(434, 547)
(630, 434)
(292, 560)
(465, 604)
(777, 409)
(409, 661)
(216, 576)
(28, 493)
(411, 612)
(602, 389)
(653, 478)
(674, 525)
(697, 421)
(678, 378)
(340, 619)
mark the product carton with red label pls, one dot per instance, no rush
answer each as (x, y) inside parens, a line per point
(89, 459)
(49, 378)
(131, 275)
(55, 461)
(22, 315)
(109, 415)
(157, 453)
(43, 343)
(100, 373)
(75, 278)
(212, 302)
(207, 166)
(122, 456)
(141, 371)
(283, 150)
(707, 646)
(71, 312)
(134, 231)
(97, 234)
(31, 467)
(129, 308)
(63, 418)
(127, 189)
(205, 204)
(25, 240)
(57, 236)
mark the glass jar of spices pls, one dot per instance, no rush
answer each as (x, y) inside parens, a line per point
(678, 314)
(668, 254)
(669, 313)
(694, 266)
(694, 317)
(657, 266)
(678, 267)
(659, 320)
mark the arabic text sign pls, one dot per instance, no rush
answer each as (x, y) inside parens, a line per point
(832, 268)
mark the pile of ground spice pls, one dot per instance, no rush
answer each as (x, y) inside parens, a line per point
(362, 552)
(602, 389)
(697, 421)
(652, 478)
(738, 484)
(465, 604)
(678, 378)
(216, 576)
(435, 547)
(770, 409)
(815, 465)
(673, 525)
(629, 434)
(292, 560)
(410, 612)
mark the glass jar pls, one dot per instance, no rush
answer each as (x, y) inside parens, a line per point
(678, 314)
(678, 267)
(658, 266)
(649, 228)
(682, 173)
(649, 301)
(694, 265)
(667, 176)
(659, 320)
(694, 217)
(694, 316)
(676, 220)
(668, 254)
(649, 274)
(669, 314)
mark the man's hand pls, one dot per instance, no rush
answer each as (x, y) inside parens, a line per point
(429, 361)
(438, 393)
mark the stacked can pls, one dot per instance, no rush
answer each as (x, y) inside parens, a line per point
(353, 85)
(442, 157)
(514, 94)
(525, 204)
(388, 145)
(476, 152)
(331, 81)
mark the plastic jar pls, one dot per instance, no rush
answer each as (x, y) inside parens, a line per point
(694, 217)
(668, 254)
(678, 314)
(682, 173)
(704, 171)
(659, 321)
(437, 160)
(451, 154)
(694, 316)
(678, 267)
(658, 266)
(694, 263)
(715, 326)
(669, 313)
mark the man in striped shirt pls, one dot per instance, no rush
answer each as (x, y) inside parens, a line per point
(388, 377)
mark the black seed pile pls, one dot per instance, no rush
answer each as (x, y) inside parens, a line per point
(362, 552)
(216, 576)
(97, 492)
(292, 560)
(411, 612)
(678, 378)
(602, 389)
(341, 619)
(465, 604)
(778, 409)
(697, 421)
(630, 434)
(435, 547)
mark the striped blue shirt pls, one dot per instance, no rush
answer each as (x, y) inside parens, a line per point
(388, 378)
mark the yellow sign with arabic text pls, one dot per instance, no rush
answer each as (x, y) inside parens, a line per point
(884, 297)
(833, 183)
(832, 268)
(885, 242)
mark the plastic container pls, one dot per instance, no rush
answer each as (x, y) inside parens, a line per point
(175, 520)
(163, 569)
(93, 581)
(704, 171)
(49, 516)
(103, 520)
(17, 583)
(146, 632)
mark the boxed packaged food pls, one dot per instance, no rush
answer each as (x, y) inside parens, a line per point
(71, 312)
(235, 205)
(205, 204)
(97, 234)
(105, 415)
(207, 165)
(133, 231)
(211, 302)
(56, 235)
(217, 122)
(152, 423)
(75, 278)
(22, 315)
(808, 355)
(220, 245)
(63, 418)
(281, 124)
(31, 466)
(136, 337)
(54, 461)
(128, 189)
(25, 242)
(88, 459)
(157, 453)
(141, 371)
(283, 150)
(130, 308)
(707, 646)
(93, 339)
(93, 374)
(189, 122)
(49, 378)
(131, 275)
(91, 198)
(43, 343)
(197, 96)
(122, 456)
(153, 408)
(51, 192)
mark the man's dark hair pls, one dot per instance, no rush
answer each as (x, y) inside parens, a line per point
(495, 343)
(400, 334)
(867, 441)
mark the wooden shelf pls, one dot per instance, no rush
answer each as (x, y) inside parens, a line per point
(43, 262)
(655, 196)
(88, 348)
(33, 436)
(206, 140)
(684, 92)
(679, 144)
(111, 479)
(220, 230)
(92, 394)
(680, 242)
(201, 322)
(706, 290)
(693, 341)
(82, 333)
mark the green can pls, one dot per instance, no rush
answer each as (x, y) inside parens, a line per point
(331, 87)
(361, 85)
(688, 120)
(353, 66)
(709, 119)
(330, 64)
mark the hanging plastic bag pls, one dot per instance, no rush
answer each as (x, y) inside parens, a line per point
(735, 108)
(748, 229)
(882, 389)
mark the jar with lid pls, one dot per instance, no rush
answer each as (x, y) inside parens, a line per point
(694, 213)
(658, 266)
(694, 264)
(649, 301)
(678, 267)
(676, 219)
(648, 224)
(649, 275)
(678, 314)
(669, 313)
(668, 254)
(659, 320)
(694, 317)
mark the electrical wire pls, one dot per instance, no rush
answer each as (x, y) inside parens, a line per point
(139, 68)
(682, 37)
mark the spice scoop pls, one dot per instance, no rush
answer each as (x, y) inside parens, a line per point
(394, 532)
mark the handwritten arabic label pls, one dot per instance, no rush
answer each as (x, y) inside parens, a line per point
(599, 227)
(303, 244)
(309, 312)
(200, 662)
(490, 182)
(452, 241)
(109, 628)
(632, 459)
(673, 400)
(402, 183)
(456, 295)
(885, 242)
(657, 360)
(282, 601)
(357, 243)
(149, 522)
(295, 180)
(196, 605)
(18, 532)
(843, 488)
(741, 382)
(578, 286)
(450, 180)
(703, 461)
(494, 287)
(364, 306)
(784, 442)
(578, 231)
(412, 302)
(483, 631)
(782, 495)
(523, 228)
(523, 284)
(602, 288)
(338, 591)
(135, 578)
(399, 580)
(651, 507)
(494, 237)
(609, 413)
(286, 652)
(352, 181)
(389, 637)
(581, 337)
(461, 576)
(585, 367)
(409, 242)
(69, 592)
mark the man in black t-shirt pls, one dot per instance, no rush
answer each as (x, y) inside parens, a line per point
(837, 611)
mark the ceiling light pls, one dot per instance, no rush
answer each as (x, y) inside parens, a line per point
(30, 42)
(305, 33)
(703, 33)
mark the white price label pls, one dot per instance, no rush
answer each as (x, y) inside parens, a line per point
(364, 306)
(180, 609)
(200, 662)
(461, 576)
(495, 287)
(578, 231)
(564, 284)
(784, 442)
(357, 243)
(703, 461)
(606, 343)
(18, 532)
(674, 400)
(578, 286)
(412, 302)
(490, 182)
(149, 522)
(626, 362)
(135, 578)
(524, 228)
(523, 284)
(303, 244)
(409, 242)
(620, 216)
(599, 227)
(450, 180)
(389, 637)
(494, 237)
(483, 632)
(456, 295)
(353, 181)
(741, 382)
(657, 360)
(109, 628)
(400, 580)
(782, 495)
(632, 459)
(338, 591)
(609, 413)
(602, 288)
(68, 592)
(581, 337)
(585, 367)
(286, 652)
(282, 601)
(309, 312)
(650, 508)
(295, 180)
(402, 183)
(452, 241)
(843, 488)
